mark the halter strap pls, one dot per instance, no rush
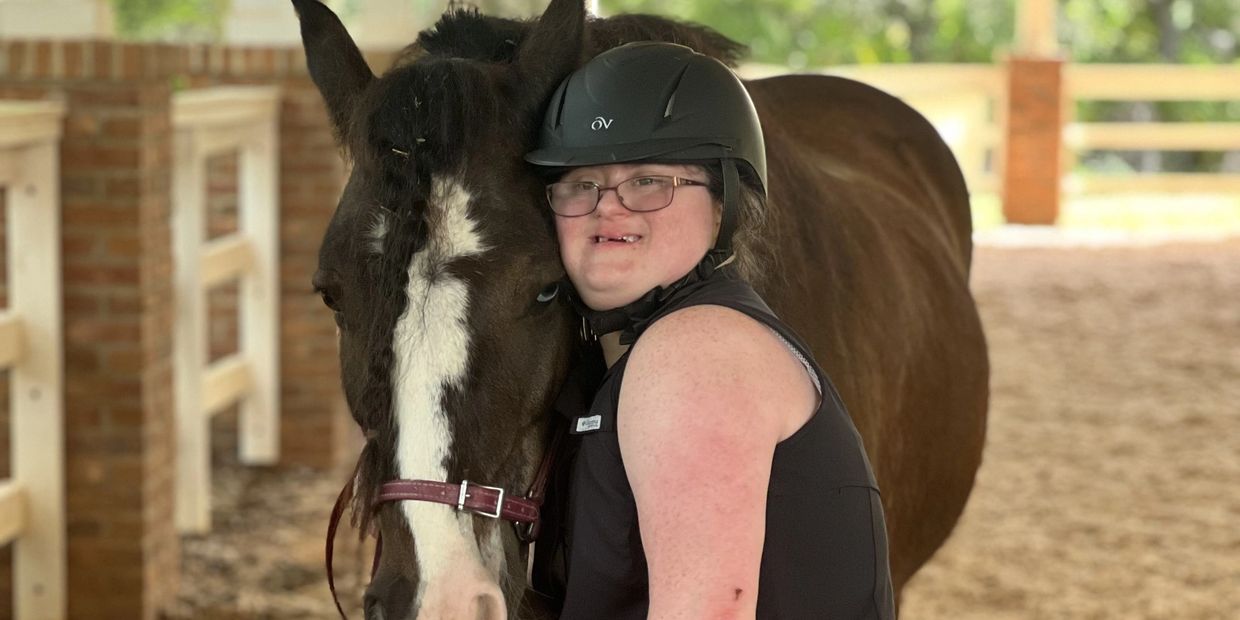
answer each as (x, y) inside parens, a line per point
(478, 499)
(473, 497)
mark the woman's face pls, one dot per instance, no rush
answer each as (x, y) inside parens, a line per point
(661, 247)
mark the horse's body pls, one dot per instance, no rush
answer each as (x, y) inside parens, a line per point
(442, 242)
(872, 215)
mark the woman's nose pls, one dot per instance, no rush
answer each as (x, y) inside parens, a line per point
(609, 203)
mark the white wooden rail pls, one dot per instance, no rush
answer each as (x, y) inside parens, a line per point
(966, 103)
(209, 122)
(962, 101)
(32, 504)
(1152, 83)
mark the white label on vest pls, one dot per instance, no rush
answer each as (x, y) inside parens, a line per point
(592, 423)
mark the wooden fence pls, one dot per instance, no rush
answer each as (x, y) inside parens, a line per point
(32, 502)
(967, 105)
(1152, 83)
(209, 122)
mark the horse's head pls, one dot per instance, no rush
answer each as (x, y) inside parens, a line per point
(433, 265)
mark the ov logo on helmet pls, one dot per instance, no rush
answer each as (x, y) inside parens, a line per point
(601, 123)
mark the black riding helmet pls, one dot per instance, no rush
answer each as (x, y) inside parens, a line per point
(651, 101)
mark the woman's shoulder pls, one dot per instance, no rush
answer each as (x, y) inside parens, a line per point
(711, 331)
(712, 360)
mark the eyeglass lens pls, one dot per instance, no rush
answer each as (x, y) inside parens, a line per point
(647, 193)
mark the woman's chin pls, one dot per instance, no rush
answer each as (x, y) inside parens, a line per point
(609, 298)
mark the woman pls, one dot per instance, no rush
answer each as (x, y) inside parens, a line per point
(717, 473)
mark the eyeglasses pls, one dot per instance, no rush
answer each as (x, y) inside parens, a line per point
(642, 194)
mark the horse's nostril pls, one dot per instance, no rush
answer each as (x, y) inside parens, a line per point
(374, 612)
(490, 607)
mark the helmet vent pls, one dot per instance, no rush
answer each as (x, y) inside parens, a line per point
(559, 109)
(671, 100)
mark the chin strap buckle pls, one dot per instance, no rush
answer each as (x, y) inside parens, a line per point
(587, 332)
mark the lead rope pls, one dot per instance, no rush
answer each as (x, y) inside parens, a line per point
(342, 500)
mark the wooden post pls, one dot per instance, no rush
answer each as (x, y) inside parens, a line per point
(1032, 155)
(37, 392)
(259, 330)
(1036, 28)
(193, 486)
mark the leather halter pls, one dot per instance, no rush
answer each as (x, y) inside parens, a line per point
(482, 500)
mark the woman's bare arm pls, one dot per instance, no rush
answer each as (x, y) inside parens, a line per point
(707, 394)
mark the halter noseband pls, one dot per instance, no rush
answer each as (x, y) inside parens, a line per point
(486, 501)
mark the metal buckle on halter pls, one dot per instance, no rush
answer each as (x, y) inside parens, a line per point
(499, 502)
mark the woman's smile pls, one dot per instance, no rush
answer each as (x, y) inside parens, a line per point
(612, 240)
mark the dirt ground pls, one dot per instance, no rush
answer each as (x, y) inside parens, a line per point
(1110, 486)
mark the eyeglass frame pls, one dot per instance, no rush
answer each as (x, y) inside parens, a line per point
(676, 182)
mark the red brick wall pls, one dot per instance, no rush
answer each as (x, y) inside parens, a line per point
(1033, 148)
(116, 169)
(317, 430)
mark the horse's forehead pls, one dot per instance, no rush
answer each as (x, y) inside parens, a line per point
(431, 99)
(454, 232)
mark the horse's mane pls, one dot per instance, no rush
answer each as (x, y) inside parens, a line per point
(465, 33)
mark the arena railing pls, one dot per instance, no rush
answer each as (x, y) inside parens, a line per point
(208, 122)
(1111, 82)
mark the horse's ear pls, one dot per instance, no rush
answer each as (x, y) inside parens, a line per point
(551, 50)
(335, 63)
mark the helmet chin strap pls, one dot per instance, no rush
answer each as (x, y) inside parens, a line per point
(731, 205)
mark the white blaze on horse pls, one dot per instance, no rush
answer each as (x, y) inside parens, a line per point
(437, 261)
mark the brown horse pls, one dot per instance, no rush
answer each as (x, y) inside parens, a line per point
(437, 263)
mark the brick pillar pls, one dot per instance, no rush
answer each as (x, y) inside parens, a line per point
(118, 340)
(315, 428)
(118, 307)
(1032, 163)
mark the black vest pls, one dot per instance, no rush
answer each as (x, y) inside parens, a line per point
(825, 551)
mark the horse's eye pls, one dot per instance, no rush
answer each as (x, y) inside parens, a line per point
(326, 285)
(549, 293)
(328, 300)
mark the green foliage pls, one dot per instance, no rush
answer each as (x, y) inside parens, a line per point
(1185, 31)
(181, 20)
(1154, 31)
(803, 33)
(809, 33)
